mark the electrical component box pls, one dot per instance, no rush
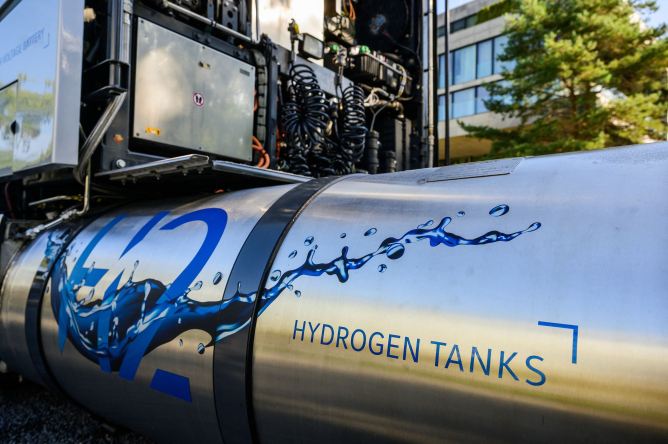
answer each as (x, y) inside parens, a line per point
(378, 70)
(40, 84)
(191, 96)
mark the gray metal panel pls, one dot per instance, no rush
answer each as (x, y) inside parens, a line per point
(258, 173)
(43, 52)
(191, 96)
(475, 169)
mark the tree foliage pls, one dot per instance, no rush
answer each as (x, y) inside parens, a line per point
(587, 74)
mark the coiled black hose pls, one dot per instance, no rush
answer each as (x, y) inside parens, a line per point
(354, 130)
(305, 117)
(305, 120)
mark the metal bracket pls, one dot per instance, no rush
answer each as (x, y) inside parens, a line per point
(197, 163)
(174, 165)
(112, 78)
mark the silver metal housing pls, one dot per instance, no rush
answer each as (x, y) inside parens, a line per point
(191, 96)
(40, 83)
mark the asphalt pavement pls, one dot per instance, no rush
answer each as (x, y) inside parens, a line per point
(31, 414)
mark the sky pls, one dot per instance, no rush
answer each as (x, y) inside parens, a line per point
(661, 16)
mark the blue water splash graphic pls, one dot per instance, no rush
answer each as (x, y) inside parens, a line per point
(429, 223)
(499, 210)
(135, 317)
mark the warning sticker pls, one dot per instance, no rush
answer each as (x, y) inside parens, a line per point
(198, 99)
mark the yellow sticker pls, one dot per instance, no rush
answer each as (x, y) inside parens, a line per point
(154, 131)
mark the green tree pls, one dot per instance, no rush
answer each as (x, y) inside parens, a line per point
(587, 74)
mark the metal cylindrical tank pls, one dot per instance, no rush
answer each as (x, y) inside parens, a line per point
(513, 300)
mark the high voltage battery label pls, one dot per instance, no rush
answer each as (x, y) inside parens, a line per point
(441, 354)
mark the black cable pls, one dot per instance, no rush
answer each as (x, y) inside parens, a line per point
(312, 149)
(373, 119)
(405, 48)
(305, 118)
(353, 135)
(8, 201)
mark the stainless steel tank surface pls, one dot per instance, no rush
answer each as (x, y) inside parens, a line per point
(515, 300)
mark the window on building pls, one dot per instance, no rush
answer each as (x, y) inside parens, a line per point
(468, 102)
(441, 108)
(499, 47)
(506, 99)
(484, 59)
(478, 61)
(490, 12)
(463, 103)
(463, 64)
(463, 23)
(458, 25)
(481, 95)
(441, 71)
(441, 31)
(440, 6)
(450, 70)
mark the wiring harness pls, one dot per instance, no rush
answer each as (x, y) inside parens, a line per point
(318, 142)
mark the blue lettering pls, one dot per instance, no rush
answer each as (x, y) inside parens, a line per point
(352, 340)
(378, 344)
(216, 221)
(313, 330)
(438, 349)
(341, 338)
(543, 378)
(294, 333)
(390, 346)
(322, 334)
(414, 352)
(458, 361)
(476, 355)
(504, 364)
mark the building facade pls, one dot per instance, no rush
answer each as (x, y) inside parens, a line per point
(476, 39)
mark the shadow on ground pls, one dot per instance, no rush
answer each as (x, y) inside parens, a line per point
(31, 414)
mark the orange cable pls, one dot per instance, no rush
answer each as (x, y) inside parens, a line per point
(265, 160)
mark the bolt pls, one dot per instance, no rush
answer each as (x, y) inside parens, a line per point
(120, 163)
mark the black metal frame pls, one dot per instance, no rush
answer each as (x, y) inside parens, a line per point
(133, 151)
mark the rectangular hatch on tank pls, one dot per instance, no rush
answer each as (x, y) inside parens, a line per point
(475, 169)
